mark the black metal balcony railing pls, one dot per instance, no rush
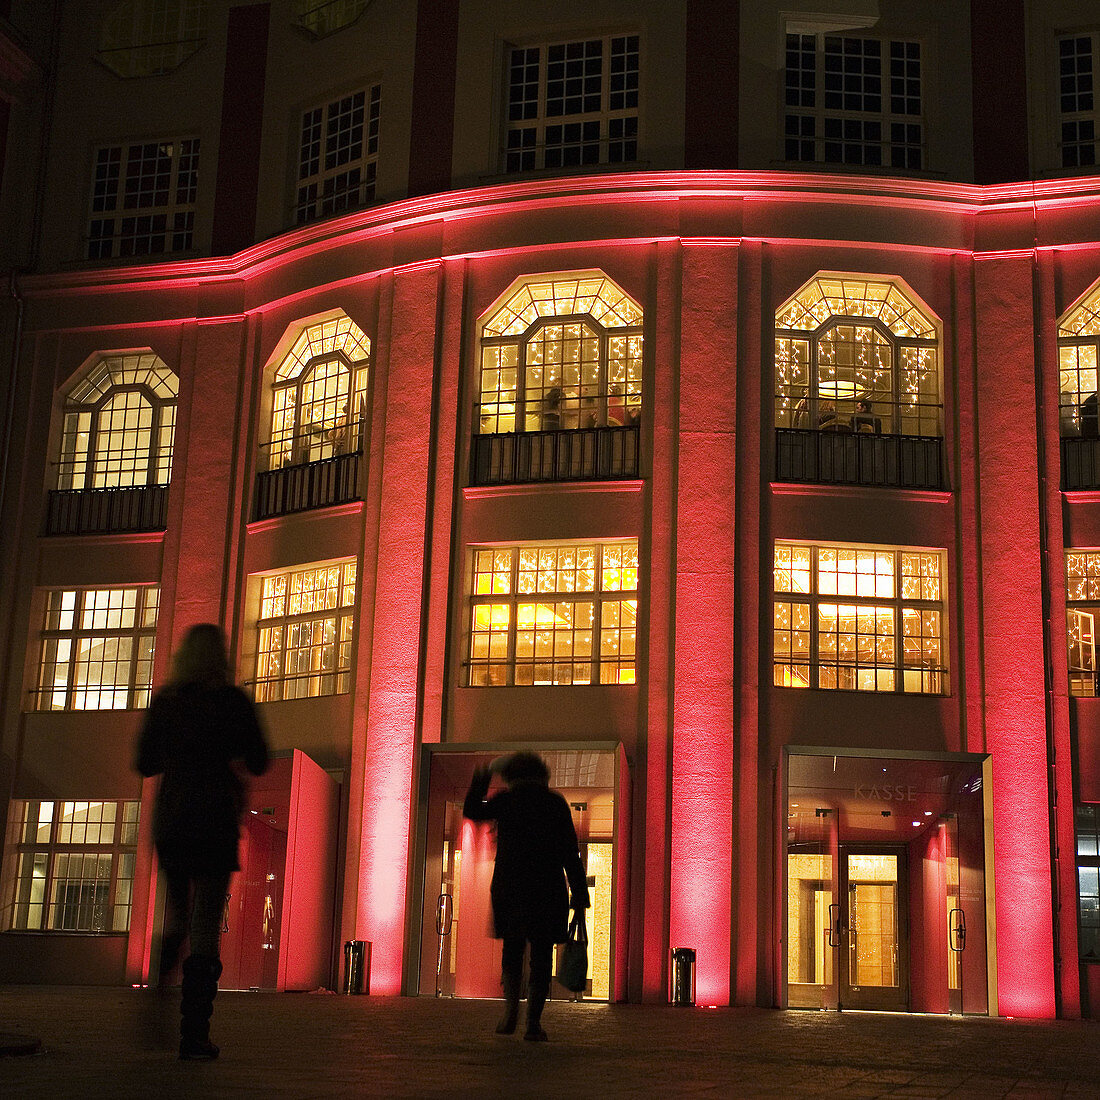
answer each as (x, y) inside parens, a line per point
(1080, 462)
(307, 485)
(859, 458)
(581, 454)
(106, 511)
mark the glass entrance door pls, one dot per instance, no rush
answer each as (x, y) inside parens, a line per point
(886, 869)
(458, 955)
(874, 956)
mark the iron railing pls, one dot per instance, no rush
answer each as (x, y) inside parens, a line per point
(581, 454)
(1080, 462)
(859, 458)
(307, 485)
(106, 511)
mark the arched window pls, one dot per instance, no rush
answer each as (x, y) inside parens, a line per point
(1078, 352)
(560, 351)
(857, 354)
(319, 393)
(150, 37)
(118, 425)
(322, 17)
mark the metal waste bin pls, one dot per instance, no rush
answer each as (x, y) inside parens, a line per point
(683, 976)
(357, 966)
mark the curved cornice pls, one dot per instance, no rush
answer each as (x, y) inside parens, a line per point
(951, 200)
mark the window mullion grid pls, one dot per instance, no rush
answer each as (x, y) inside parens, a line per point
(540, 117)
(513, 612)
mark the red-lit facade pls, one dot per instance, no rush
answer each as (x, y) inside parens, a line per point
(743, 495)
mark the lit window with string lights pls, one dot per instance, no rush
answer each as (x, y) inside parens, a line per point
(561, 352)
(553, 615)
(857, 354)
(859, 618)
(1082, 609)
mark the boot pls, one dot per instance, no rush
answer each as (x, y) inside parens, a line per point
(537, 993)
(507, 1024)
(200, 985)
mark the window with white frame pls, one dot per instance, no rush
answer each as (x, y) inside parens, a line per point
(858, 354)
(572, 103)
(73, 866)
(553, 614)
(304, 632)
(561, 352)
(118, 425)
(319, 394)
(859, 618)
(854, 100)
(150, 37)
(96, 649)
(143, 199)
(1082, 611)
(324, 17)
(1078, 354)
(1079, 114)
(338, 156)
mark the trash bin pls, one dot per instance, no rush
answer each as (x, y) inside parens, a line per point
(357, 966)
(683, 976)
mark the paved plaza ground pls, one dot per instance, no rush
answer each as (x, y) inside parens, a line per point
(97, 1043)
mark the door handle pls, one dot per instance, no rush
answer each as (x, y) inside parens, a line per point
(444, 914)
(833, 932)
(956, 930)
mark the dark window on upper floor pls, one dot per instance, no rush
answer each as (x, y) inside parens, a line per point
(853, 100)
(572, 103)
(1079, 119)
(143, 199)
(338, 156)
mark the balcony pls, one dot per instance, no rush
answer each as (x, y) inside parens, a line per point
(107, 511)
(1080, 462)
(859, 458)
(580, 454)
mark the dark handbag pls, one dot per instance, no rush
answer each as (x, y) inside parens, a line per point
(573, 964)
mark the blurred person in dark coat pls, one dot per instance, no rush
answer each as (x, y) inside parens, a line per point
(537, 852)
(196, 729)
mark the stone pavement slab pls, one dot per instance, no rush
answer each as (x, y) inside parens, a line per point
(96, 1043)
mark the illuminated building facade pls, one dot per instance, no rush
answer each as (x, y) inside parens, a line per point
(703, 395)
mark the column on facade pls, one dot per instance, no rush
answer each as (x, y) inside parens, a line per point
(703, 740)
(380, 786)
(1012, 630)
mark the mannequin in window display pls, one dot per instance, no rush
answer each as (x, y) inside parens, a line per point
(198, 727)
(537, 852)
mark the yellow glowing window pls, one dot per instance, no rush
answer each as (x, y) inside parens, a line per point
(561, 353)
(856, 354)
(570, 616)
(74, 866)
(1078, 355)
(304, 633)
(858, 619)
(1082, 608)
(97, 647)
(319, 394)
(118, 425)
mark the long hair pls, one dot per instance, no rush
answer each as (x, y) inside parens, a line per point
(523, 767)
(201, 657)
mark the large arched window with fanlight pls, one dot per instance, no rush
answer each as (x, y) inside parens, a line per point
(114, 462)
(857, 359)
(559, 354)
(316, 402)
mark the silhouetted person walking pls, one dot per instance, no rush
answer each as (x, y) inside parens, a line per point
(536, 850)
(195, 728)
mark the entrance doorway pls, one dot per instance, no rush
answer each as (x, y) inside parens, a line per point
(885, 871)
(458, 956)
